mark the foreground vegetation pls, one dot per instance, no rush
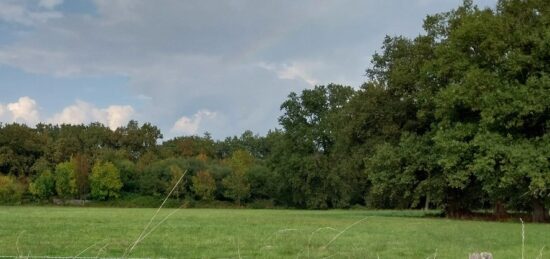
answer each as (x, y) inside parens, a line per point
(456, 119)
(219, 233)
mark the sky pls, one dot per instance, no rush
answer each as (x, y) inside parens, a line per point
(189, 67)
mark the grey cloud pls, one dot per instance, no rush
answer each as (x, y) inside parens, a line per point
(236, 58)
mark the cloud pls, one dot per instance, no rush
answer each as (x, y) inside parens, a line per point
(78, 113)
(190, 126)
(2, 112)
(24, 111)
(294, 70)
(49, 4)
(241, 57)
(20, 13)
(143, 97)
(117, 115)
(113, 116)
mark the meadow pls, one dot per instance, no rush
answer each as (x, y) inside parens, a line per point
(244, 233)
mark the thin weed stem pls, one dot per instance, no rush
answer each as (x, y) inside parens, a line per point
(311, 236)
(144, 231)
(238, 249)
(522, 238)
(87, 248)
(158, 224)
(17, 243)
(101, 250)
(342, 232)
(540, 253)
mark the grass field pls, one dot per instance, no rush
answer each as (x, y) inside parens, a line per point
(223, 233)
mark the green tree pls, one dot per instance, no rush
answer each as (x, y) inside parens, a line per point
(204, 185)
(105, 181)
(237, 186)
(175, 174)
(159, 177)
(373, 116)
(492, 112)
(80, 181)
(263, 182)
(66, 142)
(138, 140)
(129, 175)
(404, 175)
(302, 153)
(20, 147)
(64, 175)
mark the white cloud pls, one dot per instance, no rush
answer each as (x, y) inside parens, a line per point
(2, 112)
(24, 111)
(190, 126)
(113, 116)
(117, 115)
(74, 114)
(294, 71)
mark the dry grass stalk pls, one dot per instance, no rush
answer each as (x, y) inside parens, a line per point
(522, 238)
(342, 232)
(87, 248)
(144, 232)
(238, 249)
(540, 253)
(17, 243)
(311, 236)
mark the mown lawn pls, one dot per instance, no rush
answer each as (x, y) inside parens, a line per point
(225, 233)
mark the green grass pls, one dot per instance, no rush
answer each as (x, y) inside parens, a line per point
(224, 233)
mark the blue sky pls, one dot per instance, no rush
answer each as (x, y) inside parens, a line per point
(187, 66)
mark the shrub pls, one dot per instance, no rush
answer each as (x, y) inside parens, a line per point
(43, 186)
(11, 191)
(261, 204)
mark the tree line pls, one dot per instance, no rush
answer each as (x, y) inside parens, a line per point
(456, 118)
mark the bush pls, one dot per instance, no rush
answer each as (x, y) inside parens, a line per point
(43, 186)
(261, 204)
(132, 200)
(11, 191)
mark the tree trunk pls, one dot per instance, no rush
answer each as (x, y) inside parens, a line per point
(540, 213)
(454, 210)
(499, 211)
(427, 204)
